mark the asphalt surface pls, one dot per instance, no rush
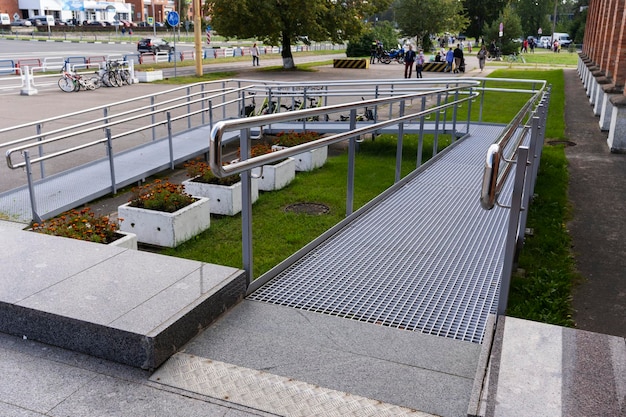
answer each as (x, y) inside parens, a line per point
(597, 192)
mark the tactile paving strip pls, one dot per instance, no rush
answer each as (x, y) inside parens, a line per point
(268, 392)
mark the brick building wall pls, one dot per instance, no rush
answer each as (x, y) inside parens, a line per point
(605, 39)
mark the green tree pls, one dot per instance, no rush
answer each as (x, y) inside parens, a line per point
(480, 13)
(284, 22)
(382, 31)
(512, 29)
(533, 15)
(420, 18)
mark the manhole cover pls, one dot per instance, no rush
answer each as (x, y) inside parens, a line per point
(561, 142)
(308, 208)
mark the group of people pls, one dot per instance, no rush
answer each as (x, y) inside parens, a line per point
(411, 57)
(528, 43)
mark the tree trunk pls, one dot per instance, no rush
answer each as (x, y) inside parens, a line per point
(286, 53)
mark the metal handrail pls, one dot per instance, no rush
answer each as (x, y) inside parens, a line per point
(493, 177)
(221, 128)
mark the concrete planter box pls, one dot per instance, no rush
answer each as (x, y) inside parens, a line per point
(166, 229)
(277, 176)
(128, 241)
(148, 76)
(309, 160)
(225, 199)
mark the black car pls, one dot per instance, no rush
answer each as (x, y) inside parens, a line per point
(154, 45)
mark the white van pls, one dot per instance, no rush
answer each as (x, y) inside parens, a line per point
(563, 38)
(47, 20)
(5, 19)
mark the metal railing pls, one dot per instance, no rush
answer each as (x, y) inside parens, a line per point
(463, 93)
(57, 144)
(518, 147)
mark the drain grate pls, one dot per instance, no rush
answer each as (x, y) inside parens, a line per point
(426, 259)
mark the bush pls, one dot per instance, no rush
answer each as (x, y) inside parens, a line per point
(80, 224)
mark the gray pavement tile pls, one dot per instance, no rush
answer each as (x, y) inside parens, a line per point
(93, 294)
(38, 384)
(33, 261)
(281, 331)
(422, 372)
(40, 351)
(105, 396)
(9, 410)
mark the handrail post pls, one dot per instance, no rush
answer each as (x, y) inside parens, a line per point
(511, 236)
(482, 102)
(399, 144)
(420, 142)
(469, 110)
(170, 139)
(153, 117)
(211, 114)
(31, 188)
(436, 136)
(42, 167)
(203, 103)
(445, 110)
(246, 209)
(188, 107)
(533, 161)
(351, 166)
(454, 115)
(111, 161)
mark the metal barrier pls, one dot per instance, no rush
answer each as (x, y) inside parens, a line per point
(519, 146)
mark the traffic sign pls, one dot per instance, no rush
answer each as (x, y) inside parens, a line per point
(150, 20)
(173, 19)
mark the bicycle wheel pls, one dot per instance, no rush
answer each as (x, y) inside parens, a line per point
(111, 79)
(118, 79)
(66, 84)
(125, 74)
(97, 83)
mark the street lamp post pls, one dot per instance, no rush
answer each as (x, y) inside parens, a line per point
(153, 19)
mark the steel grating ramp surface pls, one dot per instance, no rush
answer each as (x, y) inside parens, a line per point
(422, 264)
(427, 259)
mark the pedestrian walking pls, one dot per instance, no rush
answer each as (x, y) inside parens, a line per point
(458, 58)
(482, 57)
(254, 51)
(409, 59)
(449, 60)
(419, 63)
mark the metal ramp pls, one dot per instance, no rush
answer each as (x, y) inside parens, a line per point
(425, 259)
(63, 191)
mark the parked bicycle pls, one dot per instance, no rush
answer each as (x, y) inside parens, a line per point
(515, 58)
(267, 107)
(367, 115)
(114, 75)
(72, 82)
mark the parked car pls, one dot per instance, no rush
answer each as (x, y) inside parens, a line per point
(154, 45)
(128, 24)
(94, 23)
(36, 22)
(545, 42)
(21, 22)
